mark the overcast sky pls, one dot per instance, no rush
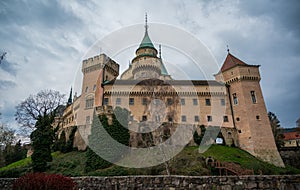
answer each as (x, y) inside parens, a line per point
(46, 41)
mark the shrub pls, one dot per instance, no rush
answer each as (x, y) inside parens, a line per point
(37, 181)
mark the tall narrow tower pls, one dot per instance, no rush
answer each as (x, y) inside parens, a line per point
(146, 64)
(249, 110)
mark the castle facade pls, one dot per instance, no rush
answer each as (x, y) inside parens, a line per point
(233, 101)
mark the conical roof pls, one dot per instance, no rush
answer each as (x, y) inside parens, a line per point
(163, 68)
(146, 42)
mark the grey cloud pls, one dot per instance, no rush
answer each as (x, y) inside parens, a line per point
(285, 13)
(5, 84)
(44, 13)
(9, 67)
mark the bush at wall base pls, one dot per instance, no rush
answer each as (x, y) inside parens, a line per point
(38, 181)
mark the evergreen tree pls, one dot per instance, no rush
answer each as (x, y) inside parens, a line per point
(198, 138)
(118, 131)
(277, 133)
(93, 161)
(68, 147)
(19, 151)
(60, 142)
(42, 139)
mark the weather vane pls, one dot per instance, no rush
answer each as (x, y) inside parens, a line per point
(146, 22)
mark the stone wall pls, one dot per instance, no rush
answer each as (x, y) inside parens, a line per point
(291, 157)
(288, 182)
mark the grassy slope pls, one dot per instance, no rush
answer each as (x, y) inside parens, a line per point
(188, 162)
(246, 160)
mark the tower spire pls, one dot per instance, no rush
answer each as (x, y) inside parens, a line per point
(146, 23)
(70, 98)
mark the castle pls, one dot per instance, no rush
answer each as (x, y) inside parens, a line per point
(233, 101)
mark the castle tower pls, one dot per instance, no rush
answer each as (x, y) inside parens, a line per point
(146, 64)
(96, 70)
(248, 109)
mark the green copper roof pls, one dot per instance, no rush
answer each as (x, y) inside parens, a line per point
(146, 42)
(163, 69)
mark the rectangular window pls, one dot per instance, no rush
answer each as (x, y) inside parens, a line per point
(131, 101)
(118, 101)
(169, 101)
(222, 102)
(195, 102)
(182, 101)
(235, 99)
(253, 97)
(209, 118)
(207, 102)
(144, 101)
(196, 118)
(144, 118)
(183, 118)
(105, 101)
(225, 118)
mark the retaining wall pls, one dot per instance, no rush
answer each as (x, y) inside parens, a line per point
(285, 182)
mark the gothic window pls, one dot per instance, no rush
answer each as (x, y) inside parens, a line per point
(196, 118)
(131, 101)
(89, 103)
(207, 102)
(253, 97)
(182, 101)
(86, 89)
(225, 118)
(169, 101)
(94, 88)
(222, 102)
(195, 102)
(183, 118)
(118, 101)
(209, 118)
(235, 99)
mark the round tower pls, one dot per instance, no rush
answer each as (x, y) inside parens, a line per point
(146, 64)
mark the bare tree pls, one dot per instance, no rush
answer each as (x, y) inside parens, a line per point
(36, 106)
(6, 135)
